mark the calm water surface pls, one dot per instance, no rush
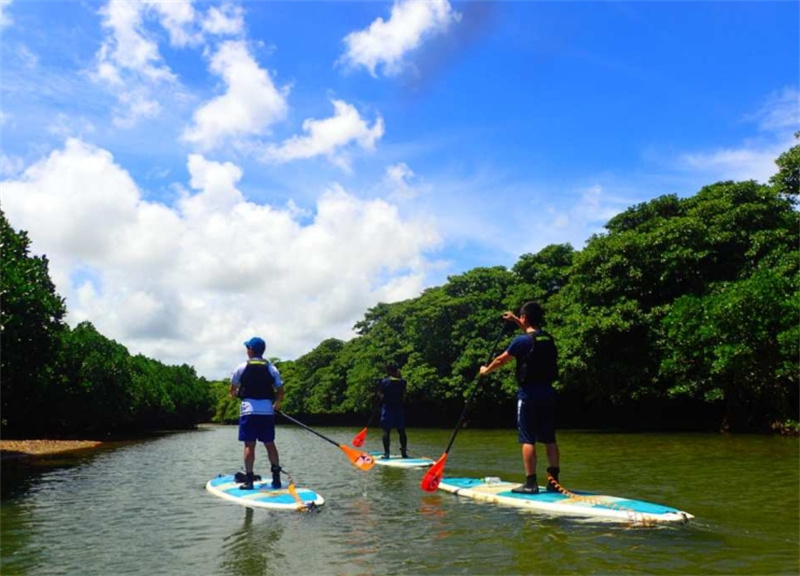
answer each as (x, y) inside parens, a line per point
(141, 508)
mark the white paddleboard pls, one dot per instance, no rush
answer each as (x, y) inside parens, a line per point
(580, 504)
(263, 495)
(400, 462)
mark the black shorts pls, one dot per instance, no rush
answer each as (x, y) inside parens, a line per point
(536, 421)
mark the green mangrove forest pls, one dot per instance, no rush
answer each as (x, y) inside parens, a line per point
(683, 314)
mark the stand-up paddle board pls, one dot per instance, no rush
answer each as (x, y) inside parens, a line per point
(582, 504)
(400, 462)
(263, 495)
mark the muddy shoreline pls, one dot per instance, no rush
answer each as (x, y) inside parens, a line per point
(32, 448)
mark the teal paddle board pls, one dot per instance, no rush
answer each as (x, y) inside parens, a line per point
(396, 461)
(263, 495)
(570, 503)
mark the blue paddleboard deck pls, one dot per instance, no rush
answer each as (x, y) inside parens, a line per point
(263, 495)
(397, 461)
(580, 504)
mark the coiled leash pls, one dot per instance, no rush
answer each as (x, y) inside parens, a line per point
(635, 518)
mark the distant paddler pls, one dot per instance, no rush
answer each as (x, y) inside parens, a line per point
(391, 391)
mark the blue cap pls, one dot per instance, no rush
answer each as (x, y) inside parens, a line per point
(257, 344)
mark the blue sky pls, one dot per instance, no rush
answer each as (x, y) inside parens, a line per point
(199, 172)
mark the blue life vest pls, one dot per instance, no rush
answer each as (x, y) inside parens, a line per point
(257, 382)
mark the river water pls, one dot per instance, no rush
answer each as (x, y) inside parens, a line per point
(140, 508)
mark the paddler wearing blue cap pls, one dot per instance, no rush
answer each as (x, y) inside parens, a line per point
(258, 383)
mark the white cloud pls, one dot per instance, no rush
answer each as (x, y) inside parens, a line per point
(5, 18)
(587, 216)
(178, 19)
(386, 43)
(129, 62)
(126, 48)
(780, 112)
(777, 119)
(401, 180)
(249, 107)
(10, 165)
(189, 283)
(749, 162)
(63, 126)
(329, 137)
(227, 19)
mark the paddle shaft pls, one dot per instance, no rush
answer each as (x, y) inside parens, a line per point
(474, 389)
(309, 429)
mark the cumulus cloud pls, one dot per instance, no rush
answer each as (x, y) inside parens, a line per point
(187, 27)
(126, 47)
(386, 43)
(129, 60)
(189, 282)
(178, 19)
(249, 107)
(228, 19)
(329, 137)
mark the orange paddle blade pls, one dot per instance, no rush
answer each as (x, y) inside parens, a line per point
(358, 439)
(430, 482)
(295, 495)
(360, 460)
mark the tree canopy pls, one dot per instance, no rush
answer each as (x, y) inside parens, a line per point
(683, 310)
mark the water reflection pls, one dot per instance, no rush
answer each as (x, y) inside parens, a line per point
(252, 548)
(142, 510)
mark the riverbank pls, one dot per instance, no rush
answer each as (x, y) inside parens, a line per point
(29, 448)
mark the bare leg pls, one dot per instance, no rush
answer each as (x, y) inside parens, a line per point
(529, 458)
(249, 456)
(272, 453)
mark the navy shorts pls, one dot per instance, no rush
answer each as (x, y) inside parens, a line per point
(536, 422)
(393, 417)
(256, 427)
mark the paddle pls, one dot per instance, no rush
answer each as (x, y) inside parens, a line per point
(360, 460)
(301, 505)
(430, 482)
(358, 439)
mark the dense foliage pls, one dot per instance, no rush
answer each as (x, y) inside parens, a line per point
(62, 381)
(31, 318)
(685, 311)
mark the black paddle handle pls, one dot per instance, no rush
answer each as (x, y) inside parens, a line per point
(307, 428)
(475, 388)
